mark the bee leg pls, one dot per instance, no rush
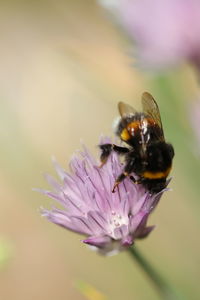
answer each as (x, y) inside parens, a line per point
(119, 179)
(107, 149)
(132, 179)
(138, 181)
(128, 169)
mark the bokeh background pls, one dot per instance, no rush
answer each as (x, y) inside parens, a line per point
(63, 67)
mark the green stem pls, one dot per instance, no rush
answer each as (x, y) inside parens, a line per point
(165, 291)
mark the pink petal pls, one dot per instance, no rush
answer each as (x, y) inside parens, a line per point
(100, 241)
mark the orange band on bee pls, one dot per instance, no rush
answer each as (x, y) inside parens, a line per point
(125, 136)
(134, 126)
(140, 123)
(126, 132)
(156, 175)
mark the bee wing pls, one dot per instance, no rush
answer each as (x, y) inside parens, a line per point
(126, 109)
(150, 108)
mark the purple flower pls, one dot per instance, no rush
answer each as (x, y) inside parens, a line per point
(110, 221)
(165, 32)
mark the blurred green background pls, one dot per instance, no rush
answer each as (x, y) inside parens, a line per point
(64, 67)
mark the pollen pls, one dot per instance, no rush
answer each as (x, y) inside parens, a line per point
(116, 221)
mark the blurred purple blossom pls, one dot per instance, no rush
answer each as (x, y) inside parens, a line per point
(110, 221)
(165, 32)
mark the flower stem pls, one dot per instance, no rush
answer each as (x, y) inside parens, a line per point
(165, 291)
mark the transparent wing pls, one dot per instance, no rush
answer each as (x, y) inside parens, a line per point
(126, 109)
(150, 108)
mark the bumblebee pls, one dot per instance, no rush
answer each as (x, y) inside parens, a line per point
(146, 155)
